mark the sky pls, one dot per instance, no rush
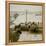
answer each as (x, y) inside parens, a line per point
(34, 13)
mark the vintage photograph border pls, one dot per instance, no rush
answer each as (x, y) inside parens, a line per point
(8, 20)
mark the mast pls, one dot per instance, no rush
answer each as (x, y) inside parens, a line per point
(26, 16)
(26, 19)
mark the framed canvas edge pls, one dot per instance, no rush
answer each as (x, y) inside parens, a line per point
(7, 23)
